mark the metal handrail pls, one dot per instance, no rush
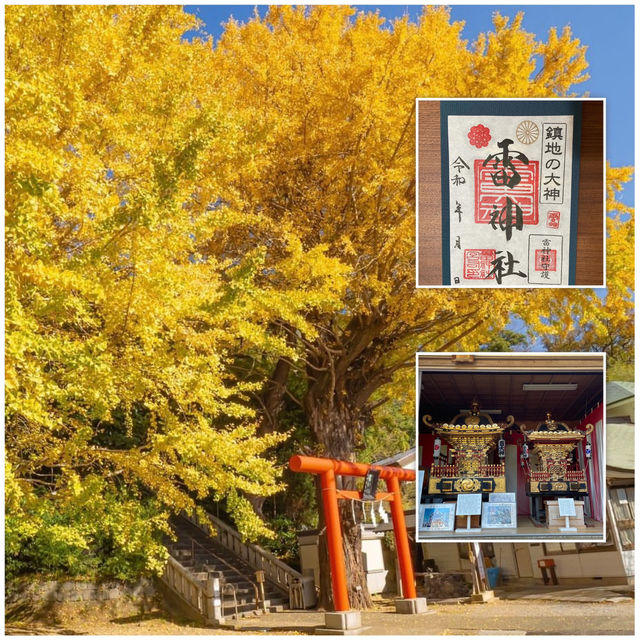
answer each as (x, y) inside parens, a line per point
(232, 588)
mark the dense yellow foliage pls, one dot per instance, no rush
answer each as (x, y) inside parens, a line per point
(332, 91)
(122, 309)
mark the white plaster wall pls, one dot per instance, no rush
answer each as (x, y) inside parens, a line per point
(622, 409)
(536, 551)
(372, 550)
(373, 560)
(606, 564)
(445, 554)
(374, 564)
(567, 566)
(505, 559)
(602, 565)
(309, 559)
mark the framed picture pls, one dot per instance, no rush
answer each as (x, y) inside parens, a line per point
(499, 515)
(437, 517)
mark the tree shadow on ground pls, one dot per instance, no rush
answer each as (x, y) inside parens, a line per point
(297, 630)
(141, 617)
(34, 629)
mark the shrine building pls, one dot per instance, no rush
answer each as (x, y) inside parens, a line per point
(510, 446)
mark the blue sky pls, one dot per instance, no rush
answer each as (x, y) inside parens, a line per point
(607, 30)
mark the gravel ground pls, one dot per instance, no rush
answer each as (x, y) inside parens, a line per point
(500, 617)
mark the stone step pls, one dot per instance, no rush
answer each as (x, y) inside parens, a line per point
(213, 558)
(198, 553)
(245, 605)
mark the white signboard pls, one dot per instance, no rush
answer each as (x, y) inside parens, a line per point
(567, 507)
(469, 504)
(502, 497)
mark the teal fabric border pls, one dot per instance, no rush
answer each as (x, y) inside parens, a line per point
(508, 108)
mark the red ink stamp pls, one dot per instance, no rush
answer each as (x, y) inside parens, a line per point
(479, 136)
(545, 259)
(477, 263)
(524, 194)
(553, 219)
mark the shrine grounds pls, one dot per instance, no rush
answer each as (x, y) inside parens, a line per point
(532, 610)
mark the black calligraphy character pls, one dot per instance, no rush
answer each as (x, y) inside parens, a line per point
(457, 244)
(554, 133)
(553, 178)
(554, 148)
(507, 218)
(508, 175)
(545, 259)
(501, 271)
(459, 164)
(552, 163)
(458, 180)
(554, 193)
(458, 210)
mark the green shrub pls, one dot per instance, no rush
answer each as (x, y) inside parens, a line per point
(85, 528)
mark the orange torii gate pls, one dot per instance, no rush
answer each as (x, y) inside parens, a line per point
(328, 469)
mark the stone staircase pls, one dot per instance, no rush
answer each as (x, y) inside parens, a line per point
(214, 579)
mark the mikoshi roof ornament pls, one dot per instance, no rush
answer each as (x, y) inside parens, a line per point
(554, 443)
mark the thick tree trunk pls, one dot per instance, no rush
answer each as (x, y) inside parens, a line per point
(337, 427)
(273, 396)
(272, 405)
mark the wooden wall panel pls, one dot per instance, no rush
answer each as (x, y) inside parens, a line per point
(429, 250)
(590, 251)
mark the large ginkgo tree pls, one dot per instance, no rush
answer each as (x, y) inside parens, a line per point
(329, 93)
(198, 233)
